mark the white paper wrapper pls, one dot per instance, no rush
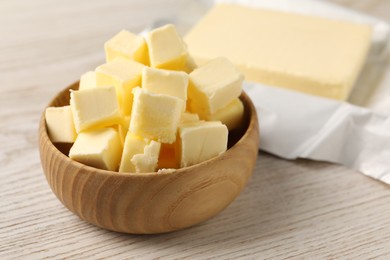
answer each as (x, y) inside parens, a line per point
(295, 125)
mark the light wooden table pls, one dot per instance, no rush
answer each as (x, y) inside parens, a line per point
(290, 209)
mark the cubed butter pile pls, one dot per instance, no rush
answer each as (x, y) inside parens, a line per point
(148, 107)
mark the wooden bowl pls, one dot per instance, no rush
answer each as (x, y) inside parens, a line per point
(151, 202)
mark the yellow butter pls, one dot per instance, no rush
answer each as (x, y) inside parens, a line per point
(87, 80)
(167, 49)
(135, 145)
(60, 126)
(167, 158)
(127, 45)
(123, 127)
(95, 107)
(173, 83)
(200, 141)
(187, 117)
(213, 86)
(100, 148)
(304, 53)
(147, 161)
(231, 115)
(124, 75)
(155, 116)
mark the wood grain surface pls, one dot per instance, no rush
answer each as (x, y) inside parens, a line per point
(290, 209)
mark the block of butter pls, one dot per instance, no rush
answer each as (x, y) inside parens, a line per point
(60, 126)
(100, 148)
(168, 82)
(127, 45)
(94, 107)
(87, 80)
(231, 115)
(213, 86)
(167, 49)
(304, 53)
(147, 161)
(189, 117)
(155, 116)
(123, 127)
(200, 141)
(139, 154)
(124, 75)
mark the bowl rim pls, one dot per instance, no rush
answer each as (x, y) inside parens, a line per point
(43, 136)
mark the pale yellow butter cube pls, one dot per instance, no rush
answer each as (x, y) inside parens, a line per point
(173, 83)
(191, 64)
(124, 127)
(200, 141)
(87, 80)
(124, 75)
(147, 161)
(167, 49)
(155, 116)
(213, 86)
(95, 107)
(100, 148)
(232, 115)
(127, 45)
(139, 154)
(60, 126)
(187, 117)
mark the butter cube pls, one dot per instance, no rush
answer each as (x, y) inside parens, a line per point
(60, 126)
(167, 49)
(213, 86)
(87, 80)
(124, 75)
(173, 83)
(167, 157)
(232, 115)
(305, 53)
(100, 148)
(123, 127)
(147, 161)
(155, 116)
(95, 107)
(200, 141)
(187, 117)
(127, 45)
(135, 145)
